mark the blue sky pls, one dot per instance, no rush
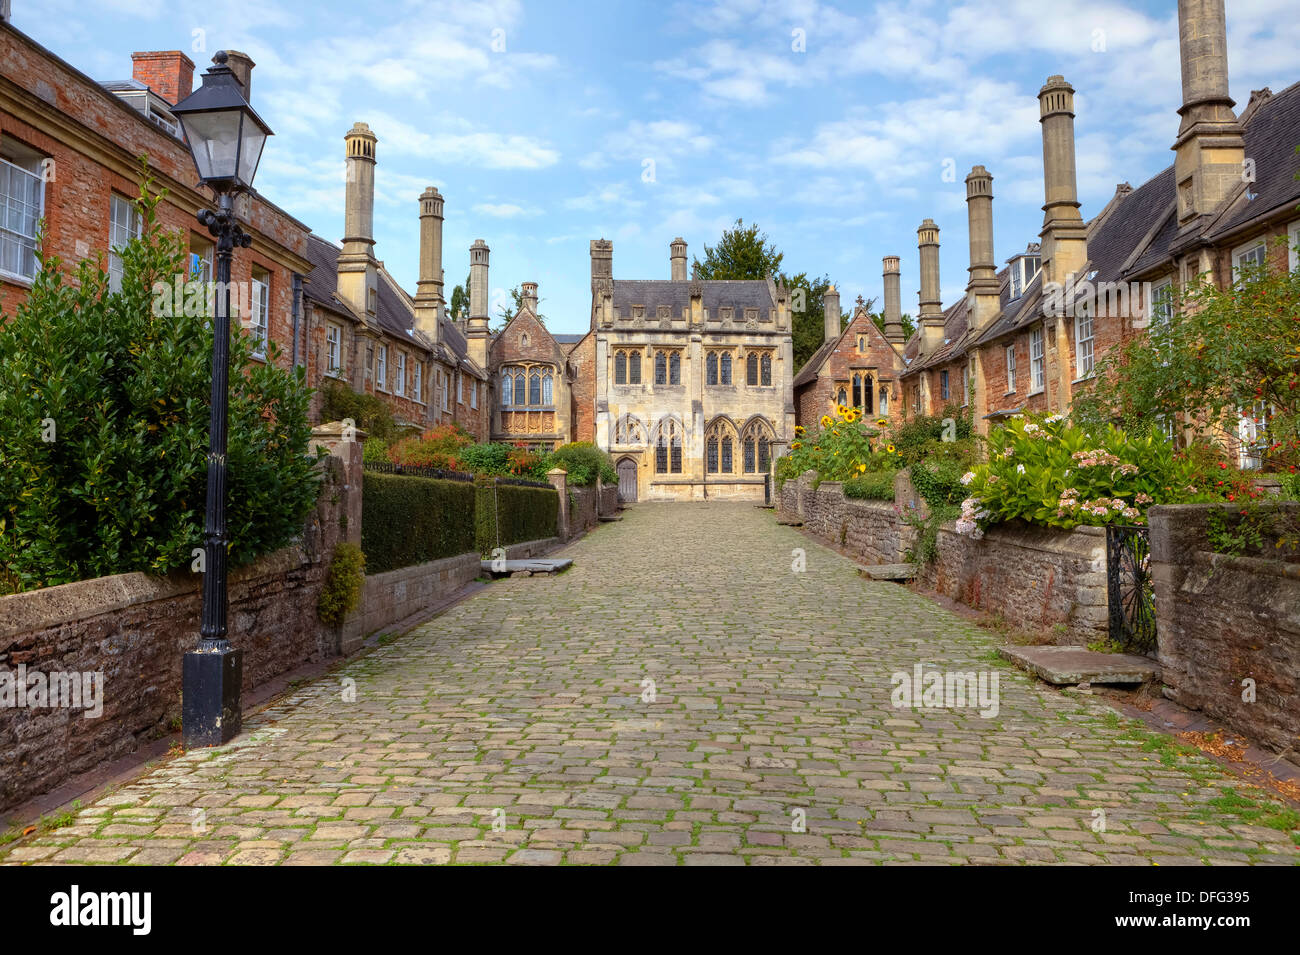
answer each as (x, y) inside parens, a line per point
(538, 120)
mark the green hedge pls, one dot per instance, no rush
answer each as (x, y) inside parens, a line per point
(522, 513)
(412, 520)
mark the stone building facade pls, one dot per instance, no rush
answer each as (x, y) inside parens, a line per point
(693, 380)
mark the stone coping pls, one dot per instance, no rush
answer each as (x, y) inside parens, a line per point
(1249, 565)
(47, 607)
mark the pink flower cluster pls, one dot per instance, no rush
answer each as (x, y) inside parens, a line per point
(971, 515)
(1103, 459)
(1102, 507)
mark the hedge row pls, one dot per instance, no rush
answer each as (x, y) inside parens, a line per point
(413, 520)
(509, 514)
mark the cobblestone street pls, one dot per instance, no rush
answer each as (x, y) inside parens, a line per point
(519, 727)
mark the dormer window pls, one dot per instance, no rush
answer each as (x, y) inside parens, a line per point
(1023, 270)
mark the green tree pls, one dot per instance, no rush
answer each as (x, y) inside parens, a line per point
(104, 424)
(909, 324)
(743, 252)
(1216, 355)
(460, 298)
(506, 313)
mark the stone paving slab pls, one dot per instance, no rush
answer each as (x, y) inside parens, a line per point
(683, 695)
(1070, 666)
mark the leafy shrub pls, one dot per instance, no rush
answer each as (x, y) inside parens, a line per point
(926, 435)
(409, 520)
(375, 451)
(584, 461)
(126, 387)
(342, 591)
(368, 412)
(510, 514)
(871, 486)
(938, 481)
(438, 447)
(485, 459)
(1047, 471)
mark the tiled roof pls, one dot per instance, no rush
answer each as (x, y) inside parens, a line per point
(1129, 223)
(814, 364)
(1018, 313)
(1272, 134)
(956, 331)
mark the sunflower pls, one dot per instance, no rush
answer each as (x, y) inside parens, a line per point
(889, 448)
(798, 429)
(826, 421)
(862, 468)
(795, 446)
(882, 421)
(850, 416)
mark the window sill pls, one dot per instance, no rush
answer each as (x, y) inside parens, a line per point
(15, 279)
(1036, 391)
(1006, 394)
(1088, 377)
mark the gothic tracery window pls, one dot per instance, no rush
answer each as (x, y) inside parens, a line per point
(766, 363)
(756, 446)
(668, 448)
(751, 369)
(719, 448)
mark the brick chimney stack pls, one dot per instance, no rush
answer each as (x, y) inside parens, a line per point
(358, 271)
(529, 293)
(834, 322)
(930, 317)
(477, 332)
(169, 73)
(429, 303)
(983, 285)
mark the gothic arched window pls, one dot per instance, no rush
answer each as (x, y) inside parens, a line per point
(521, 398)
(534, 389)
(724, 369)
(726, 455)
(756, 442)
(668, 448)
(841, 398)
(767, 369)
(749, 454)
(620, 368)
(634, 368)
(661, 368)
(719, 446)
(711, 368)
(547, 393)
(751, 369)
(675, 368)
(507, 388)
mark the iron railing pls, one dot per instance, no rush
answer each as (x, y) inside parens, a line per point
(413, 470)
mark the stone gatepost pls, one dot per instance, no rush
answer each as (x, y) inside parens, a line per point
(559, 479)
(344, 442)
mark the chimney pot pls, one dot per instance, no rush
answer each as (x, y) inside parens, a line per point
(241, 64)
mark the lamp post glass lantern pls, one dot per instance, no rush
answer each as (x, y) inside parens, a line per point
(225, 137)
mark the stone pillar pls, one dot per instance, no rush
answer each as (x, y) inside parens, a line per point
(1210, 148)
(893, 300)
(1064, 235)
(677, 259)
(983, 286)
(831, 315)
(358, 272)
(477, 332)
(930, 318)
(529, 293)
(344, 441)
(559, 479)
(429, 303)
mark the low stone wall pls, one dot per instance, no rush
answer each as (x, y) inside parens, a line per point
(583, 510)
(609, 500)
(1227, 627)
(399, 594)
(1036, 578)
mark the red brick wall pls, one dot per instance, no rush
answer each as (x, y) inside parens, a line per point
(815, 398)
(583, 390)
(168, 73)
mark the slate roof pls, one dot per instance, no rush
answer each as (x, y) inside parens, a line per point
(1129, 223)
(1272, 134)
(814, 364)
(394, 308)
(718, 293)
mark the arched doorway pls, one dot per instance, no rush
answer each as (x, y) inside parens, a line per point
(627, 480)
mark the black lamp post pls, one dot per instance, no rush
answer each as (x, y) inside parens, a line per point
(226, 138)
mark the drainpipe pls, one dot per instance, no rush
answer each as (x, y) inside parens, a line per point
(297, 314)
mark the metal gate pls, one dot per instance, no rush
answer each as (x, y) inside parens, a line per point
(1130, 594)
(627, 480)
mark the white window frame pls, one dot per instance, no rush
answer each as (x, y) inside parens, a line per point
(399, 386)
(11, 237)
(259, 317)
(460, 387)
(417, 385)
(1037, 362)
(445, 396)
(1292, 241)
(1249, 249)
(473, 394)
(883, 405)
(333, 349)
(1085, 354)
(965, 384)
(1162, 302)
(124, 224)
(1011, 369)
(381, 368)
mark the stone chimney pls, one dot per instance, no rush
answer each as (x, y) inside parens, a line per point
(4, 11)
(358, 272)
(169, 73)
(983, 285)
(1065, 238)
(834, 322)
(930, 318)
(429, 303)
(241, 64)
(529, 290)
(477, 331)
(678, 259)
(893, 301)
(1210, 148)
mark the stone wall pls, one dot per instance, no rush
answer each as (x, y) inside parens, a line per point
(399, 594)
(1035, 578)
(1222, 621)
(135, 630)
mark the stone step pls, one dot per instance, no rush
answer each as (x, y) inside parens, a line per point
(1067, 666)
(526, 568)
(888, 571)
(790, 521)
(606, 518)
